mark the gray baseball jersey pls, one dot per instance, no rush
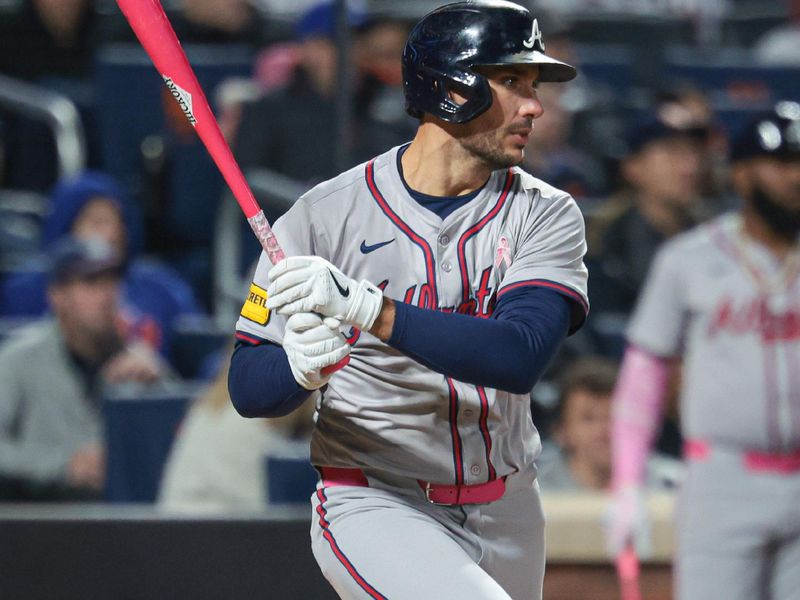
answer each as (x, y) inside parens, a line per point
(732, 310)
(384, 410)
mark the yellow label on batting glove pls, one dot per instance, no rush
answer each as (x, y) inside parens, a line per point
(255, 307)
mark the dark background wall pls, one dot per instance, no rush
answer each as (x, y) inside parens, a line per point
(134, 558)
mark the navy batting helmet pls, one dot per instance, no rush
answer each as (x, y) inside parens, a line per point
(445, 46)
(775, 133)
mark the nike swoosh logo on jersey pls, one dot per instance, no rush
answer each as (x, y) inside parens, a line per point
(344, 292)
(367, 249)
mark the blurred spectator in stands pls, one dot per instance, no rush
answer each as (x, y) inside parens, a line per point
(704, 15)
(582, 121)
(379, 95)
(660, 197)
(291, 130)
(578, 457)
(93, 205)
(220, 461)
(52, 373)
(551, 156)
(45, 37)
(684, 106)
(781, 46)
(230, 17)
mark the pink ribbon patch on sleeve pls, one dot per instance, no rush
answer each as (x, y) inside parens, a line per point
(503, 252)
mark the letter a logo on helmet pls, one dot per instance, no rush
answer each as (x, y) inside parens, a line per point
(447, 44)
(536, 36)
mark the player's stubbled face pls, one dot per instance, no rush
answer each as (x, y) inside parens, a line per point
(779, 180)
(499, 135)
(773, 192)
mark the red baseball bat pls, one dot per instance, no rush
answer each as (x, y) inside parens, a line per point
(627, 564)
(158, 38)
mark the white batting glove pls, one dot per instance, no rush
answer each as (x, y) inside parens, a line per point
(312, 284)
(312, 343)
(627, 522)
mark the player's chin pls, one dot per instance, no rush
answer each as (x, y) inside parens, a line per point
(515, 156)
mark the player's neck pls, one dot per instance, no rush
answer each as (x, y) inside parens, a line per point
(437, 165)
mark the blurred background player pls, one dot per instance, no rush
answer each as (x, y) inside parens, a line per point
(726, 299)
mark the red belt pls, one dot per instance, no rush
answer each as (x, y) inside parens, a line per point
(436, 493)
(776, 462)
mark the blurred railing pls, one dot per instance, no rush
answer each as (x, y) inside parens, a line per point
(275, 193)
(58, 112)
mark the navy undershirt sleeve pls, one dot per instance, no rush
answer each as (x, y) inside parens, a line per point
(508, 351)
(260, 381)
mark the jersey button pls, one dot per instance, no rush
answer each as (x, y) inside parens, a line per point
(447, 267)
(444, 240)
(468, 413)
(475, 470)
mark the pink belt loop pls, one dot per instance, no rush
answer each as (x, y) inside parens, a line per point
(338, 476)
(754, 460)
(773, 462)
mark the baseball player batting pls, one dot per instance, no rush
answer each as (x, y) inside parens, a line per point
(726, 298)
(458, 275)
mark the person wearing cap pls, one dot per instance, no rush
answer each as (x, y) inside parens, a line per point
(659, 198)
(52, 373)
(724, 299)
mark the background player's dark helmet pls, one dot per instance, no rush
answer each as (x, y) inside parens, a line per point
(775, 133)
(446, 44)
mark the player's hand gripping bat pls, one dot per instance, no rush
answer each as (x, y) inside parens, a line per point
(158, 38)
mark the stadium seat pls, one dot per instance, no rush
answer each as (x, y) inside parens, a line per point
(140, 426)
(197, 346)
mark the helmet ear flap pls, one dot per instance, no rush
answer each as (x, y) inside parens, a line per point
(478, 95)
(429, 90)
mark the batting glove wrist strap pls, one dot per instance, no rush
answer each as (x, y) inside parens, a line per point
(312, 343)
(312, 284)
(365, 305)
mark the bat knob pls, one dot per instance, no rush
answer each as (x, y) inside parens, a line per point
(339, 365)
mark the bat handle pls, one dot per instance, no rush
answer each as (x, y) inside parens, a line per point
(339, 365)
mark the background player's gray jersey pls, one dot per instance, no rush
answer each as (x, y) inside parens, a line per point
(733, 310)
(385, 410)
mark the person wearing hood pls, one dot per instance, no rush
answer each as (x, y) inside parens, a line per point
(93, 205)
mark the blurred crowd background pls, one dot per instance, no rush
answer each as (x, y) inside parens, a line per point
(124, 260)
